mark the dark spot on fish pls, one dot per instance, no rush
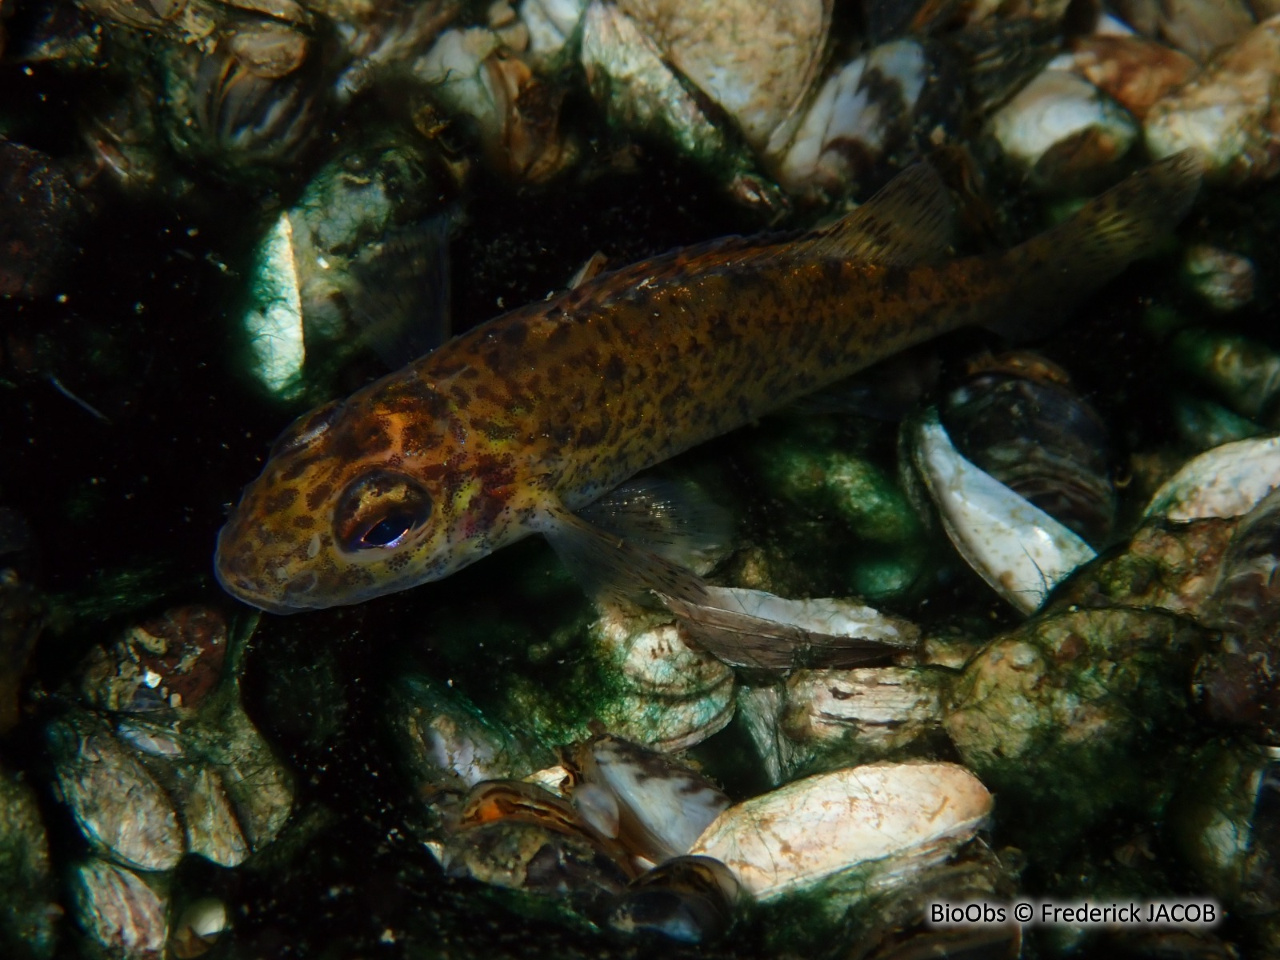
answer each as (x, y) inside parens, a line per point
(412, 395)
(494, 471)
(591, 434)
(895, 282)
(494, 431)
(317, 495)
(515, 335)
(295, 469)
(280, 500)
(418, 436)
(304, 521)
(614, 370)
(559, 335)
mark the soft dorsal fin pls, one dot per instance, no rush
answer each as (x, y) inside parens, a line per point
(911, 220)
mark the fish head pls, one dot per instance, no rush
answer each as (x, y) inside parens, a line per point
(361, 498)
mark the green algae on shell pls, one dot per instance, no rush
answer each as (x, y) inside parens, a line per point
(1057, 715)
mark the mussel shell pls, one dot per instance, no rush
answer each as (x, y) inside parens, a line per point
(120, 910)
(688, 899)
(1018, 418)
(517, 835)
(1247, 597)
(119, 806)
(661, 805)
(245, 110)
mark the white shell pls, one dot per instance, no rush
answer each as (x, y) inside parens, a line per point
(1227, 481)
(1228, 112)
(550, 23)
(669, 804)
(890, 818)
(845, 110)
(1055, 107)
(620, 59)
(1021, 551)
(198, 927)
(273, 322)
(755, 58)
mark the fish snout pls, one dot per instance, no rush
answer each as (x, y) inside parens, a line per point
(248, 571)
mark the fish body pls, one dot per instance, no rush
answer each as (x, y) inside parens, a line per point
(510, 428)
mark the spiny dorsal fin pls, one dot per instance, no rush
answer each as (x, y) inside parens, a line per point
(911, 220)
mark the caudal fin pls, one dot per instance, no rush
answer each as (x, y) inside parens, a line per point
(1125, 224)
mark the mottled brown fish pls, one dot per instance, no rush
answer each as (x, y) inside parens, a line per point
(510, 428)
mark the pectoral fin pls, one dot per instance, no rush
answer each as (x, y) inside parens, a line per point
(611, 568)
(675, 520)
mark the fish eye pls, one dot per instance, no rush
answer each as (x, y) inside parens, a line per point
(379, 510)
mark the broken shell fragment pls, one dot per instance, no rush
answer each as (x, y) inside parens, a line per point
(885, 821)
(866, 111)
(1021, 551)
(752, 628)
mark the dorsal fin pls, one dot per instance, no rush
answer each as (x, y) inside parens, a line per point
(911, 220)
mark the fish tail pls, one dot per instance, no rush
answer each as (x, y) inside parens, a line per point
(1128, 222)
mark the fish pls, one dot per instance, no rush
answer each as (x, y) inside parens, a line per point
(525, 424)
